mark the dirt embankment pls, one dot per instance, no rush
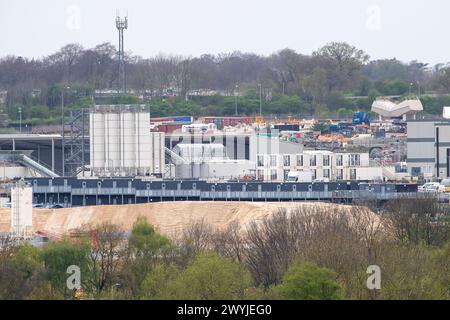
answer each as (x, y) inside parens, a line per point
(168, 217)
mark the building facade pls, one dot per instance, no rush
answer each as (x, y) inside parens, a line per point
(428, 146)
(324, 165)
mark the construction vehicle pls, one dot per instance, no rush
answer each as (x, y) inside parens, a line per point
(360, 118)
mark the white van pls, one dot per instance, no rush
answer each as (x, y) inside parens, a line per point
(429, 187)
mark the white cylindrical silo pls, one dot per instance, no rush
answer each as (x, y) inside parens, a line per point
(122, 143)
(128, 137)
(157, 152)
(97, 142)
(143, 143)
(112, 142)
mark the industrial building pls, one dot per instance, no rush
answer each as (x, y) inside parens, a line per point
(117, 141)
(86, 192)
(111, 154)
(242, 144)
(324, 166)
(46, 150)
(209, 161)
(222, 155)
(428, 146)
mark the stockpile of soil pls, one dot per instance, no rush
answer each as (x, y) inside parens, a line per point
(168, 217)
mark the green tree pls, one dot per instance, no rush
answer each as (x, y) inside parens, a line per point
(146, 247)
(315, 85)
(343, 63)
(441, 80)
(145, 241)
(408, 273)
(39, 111)
(20, 272)
(307, 281)
(159, 282)
(364, 87)
(211, 277)
(58, 256)
(27, 260)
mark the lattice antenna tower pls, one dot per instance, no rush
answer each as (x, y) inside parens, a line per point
(121, 25)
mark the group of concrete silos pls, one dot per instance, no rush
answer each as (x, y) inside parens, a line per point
(121, 143)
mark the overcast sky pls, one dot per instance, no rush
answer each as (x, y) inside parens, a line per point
(405, 29)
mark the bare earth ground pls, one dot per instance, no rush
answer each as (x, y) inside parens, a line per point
(168, 217)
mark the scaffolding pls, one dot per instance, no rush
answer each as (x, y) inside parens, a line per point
(74, 145)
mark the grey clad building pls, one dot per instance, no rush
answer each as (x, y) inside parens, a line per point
(429, 148)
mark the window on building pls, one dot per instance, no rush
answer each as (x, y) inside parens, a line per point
(286, 172)
(353, 174)
(273, 160)
(260, 161)
(340, 174)
(355, 160)
(339, 160)
(300, 160)
(260, 175)
(314, 174)
(326, 160)
(312, 160)
(415, 171)
(326, 173)
(286, 161)
(273, 174)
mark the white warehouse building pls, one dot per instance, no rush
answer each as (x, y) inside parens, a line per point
(428, 146)
(324, 166)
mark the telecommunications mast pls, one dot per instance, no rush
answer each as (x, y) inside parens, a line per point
(121, 25)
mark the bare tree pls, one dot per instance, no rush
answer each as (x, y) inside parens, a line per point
(230, 242)
(419, 219)
(105, 256)
(195, 238)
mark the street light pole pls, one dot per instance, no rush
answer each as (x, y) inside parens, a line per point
(260, 99)
(20, 119)
(235, 100)
(62, 130)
